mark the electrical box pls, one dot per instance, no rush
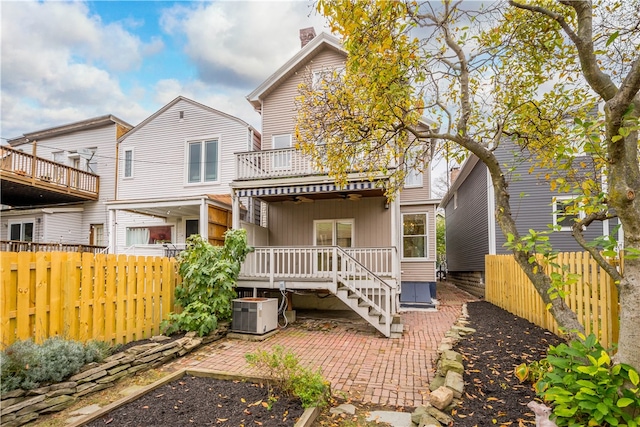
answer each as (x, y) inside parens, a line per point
(254, 315)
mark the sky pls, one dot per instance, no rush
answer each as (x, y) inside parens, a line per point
(63, 62)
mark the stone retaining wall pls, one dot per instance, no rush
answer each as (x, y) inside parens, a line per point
(19, 407)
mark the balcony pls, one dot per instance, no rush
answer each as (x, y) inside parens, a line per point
(280, 163)
(28, 180)
(23, 246)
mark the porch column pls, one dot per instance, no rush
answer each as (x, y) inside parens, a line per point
(396, 238)
(235, 210)
(111, 229)
(204, 220)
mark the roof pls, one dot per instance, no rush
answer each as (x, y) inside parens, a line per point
(465, 170)
(69, 128)
(320, 42)
(190, 101)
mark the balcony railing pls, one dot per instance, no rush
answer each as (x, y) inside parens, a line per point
(23, 246)
(284, 162)
(24, 167)
(314, 262)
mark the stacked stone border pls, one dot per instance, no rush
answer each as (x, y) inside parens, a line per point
(448, 384)
(19, 407)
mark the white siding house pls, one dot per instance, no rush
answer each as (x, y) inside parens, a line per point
(173, 177)
(88, 146)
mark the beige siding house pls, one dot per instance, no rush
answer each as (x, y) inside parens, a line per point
(52, 206)
(173, 178)
(323, 245)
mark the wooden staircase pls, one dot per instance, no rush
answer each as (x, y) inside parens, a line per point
(368, 295)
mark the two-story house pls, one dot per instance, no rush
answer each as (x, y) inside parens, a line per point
(330, 246)
(55, 183)
(173, 178)
(471, 228)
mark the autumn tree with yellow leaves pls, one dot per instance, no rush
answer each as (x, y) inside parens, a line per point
(558, 78)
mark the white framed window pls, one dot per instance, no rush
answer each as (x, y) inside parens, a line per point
(413, 178)
(203, 159)
(154, 234)
(282, 159)
(128, 163)
(326, 75)
(92, 160)
(564, 216)
(96, 235)
(22, 230)
(415, 241)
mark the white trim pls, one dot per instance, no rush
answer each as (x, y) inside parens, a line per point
(124, 164)
(202, 140)
(426, 236)
(491, 214)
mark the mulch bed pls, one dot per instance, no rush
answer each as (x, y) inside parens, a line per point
(493, 395)
(200, 401)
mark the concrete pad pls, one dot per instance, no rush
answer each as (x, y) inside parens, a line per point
(396, 419)
(251, 337)
(345, 408)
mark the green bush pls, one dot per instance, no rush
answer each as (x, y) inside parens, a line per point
(209, 274)
(284, 369)
(27, 365)
(587, 389)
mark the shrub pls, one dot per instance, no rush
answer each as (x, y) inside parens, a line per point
(587, 389)
(284, 370)
(27, 365)
(209, 274)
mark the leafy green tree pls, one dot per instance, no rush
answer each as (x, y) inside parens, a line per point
(209, 275)
(531, 72)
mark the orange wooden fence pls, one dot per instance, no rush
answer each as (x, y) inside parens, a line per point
(594, 298)
(82, 296)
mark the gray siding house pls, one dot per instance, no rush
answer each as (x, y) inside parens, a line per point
(471, 228)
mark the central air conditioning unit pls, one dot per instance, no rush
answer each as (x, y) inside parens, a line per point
(254, 315)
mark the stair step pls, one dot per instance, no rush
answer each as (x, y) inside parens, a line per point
(353, 296)
(374, 312)
(397, 327)
(395, 335)
(363, 303)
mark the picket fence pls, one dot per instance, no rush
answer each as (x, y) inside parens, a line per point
(82, 296)
(594, 297)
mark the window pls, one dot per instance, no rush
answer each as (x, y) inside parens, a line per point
(96, 235)
(414, 235)
(202, 158)
(564, 214)
(282, 159)
(60, 157)
(455, 200)
(92, 161)
(192, 226)
(413, 178)
(326, 75)
(330, 232)
(22, 231)
(149, 235)
(128, 164)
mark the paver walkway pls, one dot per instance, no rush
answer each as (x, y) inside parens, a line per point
(359, 363)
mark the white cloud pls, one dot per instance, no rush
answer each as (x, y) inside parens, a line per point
(240, 43)
(58, 65)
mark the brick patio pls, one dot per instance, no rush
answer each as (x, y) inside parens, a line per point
(359, 363)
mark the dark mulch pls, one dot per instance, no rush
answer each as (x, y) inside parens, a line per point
(493, 395)
(201, 401)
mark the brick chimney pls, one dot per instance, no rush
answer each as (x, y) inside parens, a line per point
(453, 173)
(306, 35)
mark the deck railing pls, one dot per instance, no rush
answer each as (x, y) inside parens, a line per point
(313, 262)
(273, 164)
(23, 246)
(26, 167)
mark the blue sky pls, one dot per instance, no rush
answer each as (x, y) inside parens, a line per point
(63, 62)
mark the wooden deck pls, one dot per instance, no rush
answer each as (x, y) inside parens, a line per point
(28, 180)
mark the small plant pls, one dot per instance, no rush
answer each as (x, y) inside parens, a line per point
(532, 372)
(284, 369)
(587, 389)
(27, 365)
(209, 274)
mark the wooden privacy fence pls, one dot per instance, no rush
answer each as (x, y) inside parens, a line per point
(112, 298)
(594, 297)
